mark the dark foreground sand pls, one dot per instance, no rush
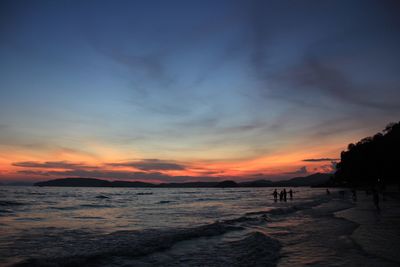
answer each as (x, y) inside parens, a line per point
(341, 232)
(378, 233)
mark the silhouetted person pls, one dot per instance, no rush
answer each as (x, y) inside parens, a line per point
(281, 196)
(375, 195)
(383, 191)
(328, 192)
(354, 194)
(291, 194)
(275, 194)
(284, 195)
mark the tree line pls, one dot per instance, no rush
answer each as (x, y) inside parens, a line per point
(371, 161)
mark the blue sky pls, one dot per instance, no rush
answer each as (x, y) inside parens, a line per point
(195, 81)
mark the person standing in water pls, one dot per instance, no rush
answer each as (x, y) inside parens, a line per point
(291, 194)
(284, 195)
(275, 194)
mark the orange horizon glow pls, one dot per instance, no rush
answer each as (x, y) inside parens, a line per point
(96, 159)
(191, 92)
(281, 165)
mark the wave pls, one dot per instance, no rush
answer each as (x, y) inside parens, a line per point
(83, 206)
(217, 199)
(246, 249)
(255, 249)
(127, 244)
(290, 209)
(5, 211)
(102, 197)
(89, 218)
(29, 219)
(32, 193)
(64, 208)
(252, 248)
(7, 203)
(95, 206)
(139, 244)
(186, 192)
(164, 202)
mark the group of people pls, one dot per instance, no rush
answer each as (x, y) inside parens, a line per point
(375, 195)
(282, 195)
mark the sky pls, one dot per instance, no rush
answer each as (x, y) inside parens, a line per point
(174, 91)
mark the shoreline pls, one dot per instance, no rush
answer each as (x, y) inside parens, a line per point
(319, 231)
(320, 236)
(377, 231)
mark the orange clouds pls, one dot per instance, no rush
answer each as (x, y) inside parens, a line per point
(102, 161)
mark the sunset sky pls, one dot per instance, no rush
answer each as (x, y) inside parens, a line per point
(178, 91)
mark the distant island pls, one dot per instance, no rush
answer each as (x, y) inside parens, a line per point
(317, 179)
(371, 161)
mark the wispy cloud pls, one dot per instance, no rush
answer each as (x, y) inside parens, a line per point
(151, 165)
(320, 159)
(301, 171)
(144, 165)
(52, 165)
(314, 75)
(328, 168)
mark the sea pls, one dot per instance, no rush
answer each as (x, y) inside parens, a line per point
(78, 226)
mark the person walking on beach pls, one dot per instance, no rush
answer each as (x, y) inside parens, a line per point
(375, 195)
(284, 195)
(354, 194)
(291, 194)
(275, 194)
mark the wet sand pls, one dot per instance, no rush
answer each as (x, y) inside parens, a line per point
(378, 233)
(340, 232)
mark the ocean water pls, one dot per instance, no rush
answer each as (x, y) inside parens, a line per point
(60, 226)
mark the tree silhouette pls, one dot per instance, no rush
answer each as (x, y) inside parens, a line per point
(372, 160)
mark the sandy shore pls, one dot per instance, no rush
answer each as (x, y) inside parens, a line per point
(340, 232)
(378, 233)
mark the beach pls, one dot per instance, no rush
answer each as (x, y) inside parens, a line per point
(195, 227)
(341, 232)
(377, 232)
(199, 133)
